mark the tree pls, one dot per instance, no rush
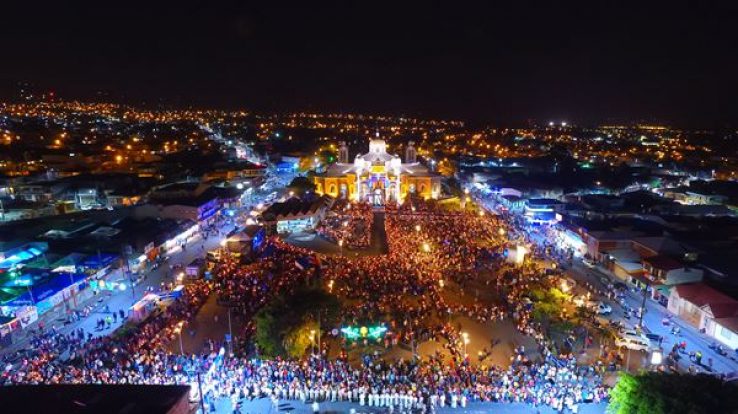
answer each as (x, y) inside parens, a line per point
(658, 392)
(306, 163)
(283, 326)
(300, 339)
(548, 303)
(265, 332)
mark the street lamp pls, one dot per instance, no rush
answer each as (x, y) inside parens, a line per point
(501, 231)
(465, 337)
(312, 339)
(426, 247)
(223, 245)
(178, 330)
(657, 357)
(417, 228)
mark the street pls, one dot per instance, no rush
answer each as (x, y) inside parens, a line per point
(653, 318)
(105, 303)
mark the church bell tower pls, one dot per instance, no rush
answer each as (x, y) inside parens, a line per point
(411, 155)
(343, 153)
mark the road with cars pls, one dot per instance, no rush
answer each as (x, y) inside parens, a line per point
(103, 305)
(661, 330)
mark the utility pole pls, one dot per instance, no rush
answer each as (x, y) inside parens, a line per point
(126, 253)
(199, 387)
(230, 332)
(643, 307)
(30, 293)
(320, 352)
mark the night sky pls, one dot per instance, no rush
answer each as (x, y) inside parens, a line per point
(586, 62)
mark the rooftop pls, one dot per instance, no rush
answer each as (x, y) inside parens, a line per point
(295, 206)
(663, 262)
(701, 295)
(129, 399)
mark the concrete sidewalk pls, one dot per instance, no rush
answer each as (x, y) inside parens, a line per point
(265, 406)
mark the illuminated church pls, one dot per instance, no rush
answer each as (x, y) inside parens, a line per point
(378, 177)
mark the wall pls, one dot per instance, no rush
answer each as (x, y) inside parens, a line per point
(685, 310)
(684, 275)
(722, 334)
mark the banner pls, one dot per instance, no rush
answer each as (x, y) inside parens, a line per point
(26, 315)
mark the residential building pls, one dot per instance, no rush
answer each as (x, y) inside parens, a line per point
(707, 309)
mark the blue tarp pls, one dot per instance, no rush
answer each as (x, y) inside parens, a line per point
(48, 288)
(93, 262)
(20, 257)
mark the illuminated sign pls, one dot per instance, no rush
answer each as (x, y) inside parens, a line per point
(354, 333)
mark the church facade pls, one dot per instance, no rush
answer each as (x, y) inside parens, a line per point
(378, 177)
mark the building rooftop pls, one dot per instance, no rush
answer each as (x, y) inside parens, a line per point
(663, 245)
(663, 262)
(721, 305)
(295, 207)
(128, 399)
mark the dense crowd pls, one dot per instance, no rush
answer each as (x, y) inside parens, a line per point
(349, 223)
(428, 246)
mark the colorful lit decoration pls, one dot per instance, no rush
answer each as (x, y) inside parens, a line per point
(354, 333)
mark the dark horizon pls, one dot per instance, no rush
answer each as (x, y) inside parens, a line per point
(582, 63)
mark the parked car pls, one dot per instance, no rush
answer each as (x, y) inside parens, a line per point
(603, 309)
(634, 343)
(654, 337)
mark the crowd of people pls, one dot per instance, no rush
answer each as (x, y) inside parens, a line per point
(429, 247)
(349, 223)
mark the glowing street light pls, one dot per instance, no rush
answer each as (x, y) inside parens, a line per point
(501, 231)
(417, 228)
(465, 337)
(656, 357)
(178, 330)
(426, 247)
